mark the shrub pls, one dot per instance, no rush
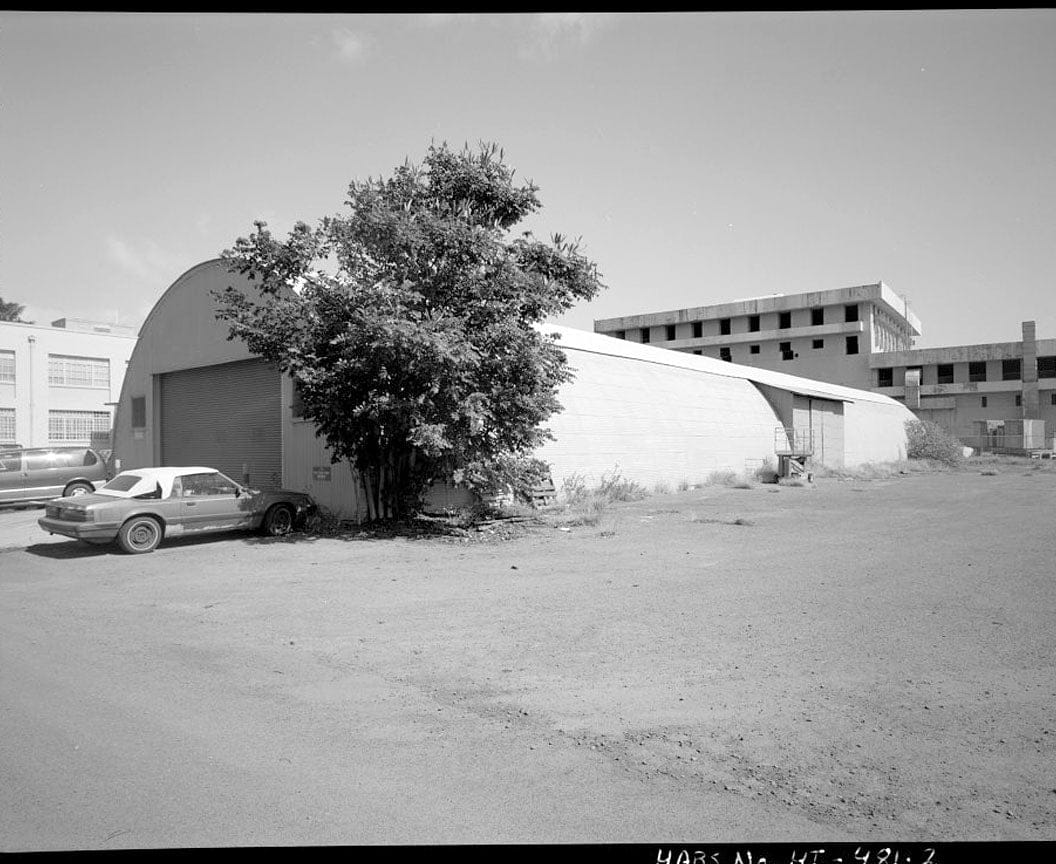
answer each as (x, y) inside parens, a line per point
(926, 440)
(766, 473)
(519, 475)
(615, 487)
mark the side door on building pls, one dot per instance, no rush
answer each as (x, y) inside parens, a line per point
(211, 502)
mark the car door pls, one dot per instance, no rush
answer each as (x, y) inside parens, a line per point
(43, 473)
(210, 502)
(11, 480)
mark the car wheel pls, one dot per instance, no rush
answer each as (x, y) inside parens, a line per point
(278, 521)
(78, 489)
(140, 534)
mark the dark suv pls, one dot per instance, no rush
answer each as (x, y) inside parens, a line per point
(39, 473)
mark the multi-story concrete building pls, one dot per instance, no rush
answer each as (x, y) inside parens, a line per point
(972, 389)
(825, 335)
(863, 337)
(59, 384)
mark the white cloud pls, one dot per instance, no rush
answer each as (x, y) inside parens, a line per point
(351, 47)
(550, 32)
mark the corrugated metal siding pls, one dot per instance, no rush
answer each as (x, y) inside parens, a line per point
(655, 423)
(224, 417)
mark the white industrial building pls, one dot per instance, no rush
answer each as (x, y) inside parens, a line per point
(192, 396)
(58, 384)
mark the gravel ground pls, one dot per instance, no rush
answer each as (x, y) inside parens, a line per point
(845, 661)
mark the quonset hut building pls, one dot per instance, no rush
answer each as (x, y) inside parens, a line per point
(192, 397)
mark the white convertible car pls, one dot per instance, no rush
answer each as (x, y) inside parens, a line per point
(141, 506)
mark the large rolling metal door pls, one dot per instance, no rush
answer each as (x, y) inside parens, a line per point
(224, 417)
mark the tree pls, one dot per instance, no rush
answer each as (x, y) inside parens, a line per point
(407, 323)
(11, 311)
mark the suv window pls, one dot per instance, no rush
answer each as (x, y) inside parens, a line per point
(40, 459)
(10, 461)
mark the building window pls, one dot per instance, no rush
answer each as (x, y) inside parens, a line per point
(786, 350)
(64, 371)
(697, 351)
(753, 349)
(817, 343)
(698, 329)
(945, 373)
(977, 370)
(1019, 400)
(753, 323)
(645, 335)
(852, 344)
(7, 425)
(724, 326)
(139, 412)
(1052, 398)
(76, 425)
(784, 320)
(621, 334)
(7, 367)
(1010, 369)
(670, 333)
(885, 377)
(983, 401)
(724, 354)
(817, 316)
(850, 312)
(1046, 368)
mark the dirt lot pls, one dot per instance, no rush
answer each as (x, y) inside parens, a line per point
(855, 660)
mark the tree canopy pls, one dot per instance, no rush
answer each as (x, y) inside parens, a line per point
(11, 311)
(407, 322)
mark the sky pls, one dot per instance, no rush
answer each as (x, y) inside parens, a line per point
(700, 157)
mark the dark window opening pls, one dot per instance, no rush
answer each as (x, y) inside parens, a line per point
(852, 344)
(885, 377)
(945, 373)
(818, 343)
(784, 320)
(645, 335)
(753, 323)
(753, 349)
(139, 412)
(1052, 398)
(724, 354)
(698, 351)
(1047, 367)
(670, 332)
(297, 403)
(621, 334)
(786, 350)
(1019, 400)
(977, 370)
(724, 326)
(817, 316)
(1010, 369)
(698, 329)
(983, 401)
(850, 312)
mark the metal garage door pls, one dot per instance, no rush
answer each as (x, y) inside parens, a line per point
(224, 417)
(823, 420)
